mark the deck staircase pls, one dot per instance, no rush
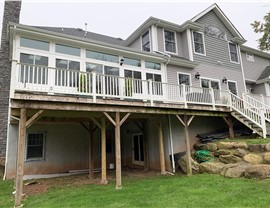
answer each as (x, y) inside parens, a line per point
(252, 113)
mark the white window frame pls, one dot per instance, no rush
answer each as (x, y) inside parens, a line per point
(237, 51)
(175, 39)
(235, 85)
(210, 79)
(250, 55)
(178, 73)
(43, 150)
(193, 43)
(150, 43)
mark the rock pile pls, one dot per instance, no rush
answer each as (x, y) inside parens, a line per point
(233, 159)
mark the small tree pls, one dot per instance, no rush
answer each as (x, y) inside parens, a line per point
(263, 27)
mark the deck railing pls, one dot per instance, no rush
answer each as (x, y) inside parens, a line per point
(53, 80)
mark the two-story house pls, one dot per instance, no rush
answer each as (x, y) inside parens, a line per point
(81, 100)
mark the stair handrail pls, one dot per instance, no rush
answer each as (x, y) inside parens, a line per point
(254, 114)
(258, 104)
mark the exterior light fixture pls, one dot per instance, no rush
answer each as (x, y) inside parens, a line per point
(121, 61)
(197, 75)
(224, 80)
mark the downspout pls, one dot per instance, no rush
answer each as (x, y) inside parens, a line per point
(171, 143)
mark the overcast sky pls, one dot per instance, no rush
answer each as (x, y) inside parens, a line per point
(121, 18)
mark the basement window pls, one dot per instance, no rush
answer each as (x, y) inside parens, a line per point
(35, 146)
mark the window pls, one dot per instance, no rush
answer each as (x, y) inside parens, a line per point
(102, 56)
(133, 85)
(152, 65)
(132, 62)
(67, 50)
(232, 87)
(250, 57)
(35, 146)
(64, 77)
(146, 41)
(233, 52)
(198, 43)
(208, 83)
(215, 32)
(33, 69)
(184, 79)
(36, 44)
(170, 44)
(156, 85)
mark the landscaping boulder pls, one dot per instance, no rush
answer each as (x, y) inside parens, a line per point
(266, 158)
(241, 145)
(235, 170)
(198, 146)
(240, 152)
(257, 171)
(253, 159)
(211, 147)
(267, 147)
(222, 152)
(258, 148)
(229, 159)
(210, 167)
(183, 164)
(225, 145)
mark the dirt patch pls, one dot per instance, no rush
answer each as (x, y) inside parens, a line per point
(43, 185)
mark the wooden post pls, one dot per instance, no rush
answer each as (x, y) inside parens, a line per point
(91, 160)
(161, 148)
(189, 168)
(20, 158)
(103, 152)
(229, 123)
(118, 151)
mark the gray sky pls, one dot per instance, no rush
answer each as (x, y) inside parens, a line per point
(121, 18)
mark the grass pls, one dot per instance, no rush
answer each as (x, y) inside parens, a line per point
(247, 140)
(164, 191)
(6, 188)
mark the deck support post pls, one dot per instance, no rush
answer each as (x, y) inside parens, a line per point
(103, 152)
(91, 154)
(117, 122)
(20, 158)
(229, 122)
(161, 148)
(186, 122)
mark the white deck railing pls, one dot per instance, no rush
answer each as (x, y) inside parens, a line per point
(52, 80)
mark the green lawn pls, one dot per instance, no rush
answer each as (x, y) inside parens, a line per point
(155, 191)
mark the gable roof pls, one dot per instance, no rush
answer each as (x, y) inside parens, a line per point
(83, 34)
(265, 74)
(225, 20)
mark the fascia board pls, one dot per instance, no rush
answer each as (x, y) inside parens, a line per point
(255, 51)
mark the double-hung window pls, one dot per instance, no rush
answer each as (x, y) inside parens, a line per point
(198, 43)
(170, 42)
(233, 52)
(184, 79)
(35, 146)
(146, 41)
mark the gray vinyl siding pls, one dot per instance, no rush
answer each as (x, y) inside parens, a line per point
(136, 44)
(217, 50)
(160, 39)
(212, 19)
(254, 69)
(185, 50)
(207, 71)
(259, 89)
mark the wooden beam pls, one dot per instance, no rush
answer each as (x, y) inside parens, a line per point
(118, 151)
(20, 158)
(124, 118)
(96, 122)
(34, 118)
(85, 127)
(110, 118)
(180, 119)
(103, 152)
(91, 154)
(161, 148)
(229, 123)
(139, 126)
(190, 120)
(189, 167)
